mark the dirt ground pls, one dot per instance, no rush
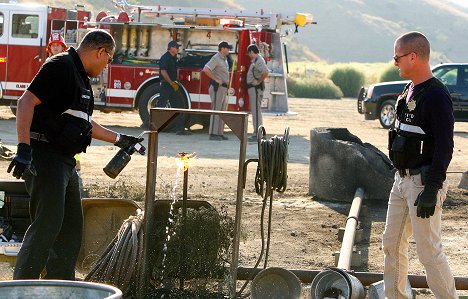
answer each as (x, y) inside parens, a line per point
(304, 229)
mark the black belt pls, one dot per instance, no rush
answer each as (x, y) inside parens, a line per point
(409, 172)
(214, 83)
(38, 136)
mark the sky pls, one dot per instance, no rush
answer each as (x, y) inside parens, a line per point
(463, 3)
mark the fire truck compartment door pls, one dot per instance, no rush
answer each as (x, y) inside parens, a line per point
(25, 30)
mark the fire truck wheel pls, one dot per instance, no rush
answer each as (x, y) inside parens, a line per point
(148, 99)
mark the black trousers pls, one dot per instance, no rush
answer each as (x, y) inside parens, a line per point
(53, 240)
(169, 98)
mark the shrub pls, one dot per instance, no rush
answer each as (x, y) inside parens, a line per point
(313, 87)
(348, 79)
(390, 73)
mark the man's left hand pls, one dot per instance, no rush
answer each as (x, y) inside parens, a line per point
(126, 141)
(426, 201)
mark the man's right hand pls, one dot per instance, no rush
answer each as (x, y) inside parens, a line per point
(175, 86)
(22, 161)
(126, 141)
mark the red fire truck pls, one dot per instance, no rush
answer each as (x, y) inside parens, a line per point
(141, 33)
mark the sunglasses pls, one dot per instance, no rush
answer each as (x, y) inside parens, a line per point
(397, 58)
(110, 57)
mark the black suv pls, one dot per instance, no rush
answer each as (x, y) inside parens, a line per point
(378, 101)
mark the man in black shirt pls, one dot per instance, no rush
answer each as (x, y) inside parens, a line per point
(421, 148)
(170, 89)
(54, 123)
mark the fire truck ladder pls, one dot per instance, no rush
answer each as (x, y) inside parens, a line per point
(267, 19)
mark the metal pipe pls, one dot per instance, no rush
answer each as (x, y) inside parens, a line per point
(148, 223)
(366, 278)
(346, 252)
(184, 221)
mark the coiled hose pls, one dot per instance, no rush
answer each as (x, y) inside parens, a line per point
(119, 263)
(271, 175)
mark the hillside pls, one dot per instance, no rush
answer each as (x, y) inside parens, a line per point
(351, 30)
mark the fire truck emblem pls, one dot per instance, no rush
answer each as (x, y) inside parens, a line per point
(117, 84)
(411, 105)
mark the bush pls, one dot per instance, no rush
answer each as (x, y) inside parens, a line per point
(390, 73)
(348, 79)
(313, 87)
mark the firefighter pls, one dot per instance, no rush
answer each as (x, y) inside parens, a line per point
(217, 69)
(256, 76)
(54, 123)
(56, 44)
(170, 89)
(421, 148)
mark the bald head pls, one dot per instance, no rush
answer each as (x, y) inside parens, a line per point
(415, 42)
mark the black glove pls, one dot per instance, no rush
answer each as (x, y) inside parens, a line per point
(22, 162)
(126, 141)
(426, 201)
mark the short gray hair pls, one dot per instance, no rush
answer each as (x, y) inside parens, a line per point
(98, 38)
(417, 42)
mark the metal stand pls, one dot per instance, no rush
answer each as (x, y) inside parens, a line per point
(159, 119)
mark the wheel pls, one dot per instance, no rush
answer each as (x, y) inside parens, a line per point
(387, 114)
(360, 99)
(149, 98)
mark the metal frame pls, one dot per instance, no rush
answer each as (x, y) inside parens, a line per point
(159, 119)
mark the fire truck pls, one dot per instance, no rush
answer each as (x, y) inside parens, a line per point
(131, 80)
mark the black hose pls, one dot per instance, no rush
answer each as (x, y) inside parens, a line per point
(116, 266)
(271, 176)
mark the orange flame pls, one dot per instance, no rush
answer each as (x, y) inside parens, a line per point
(185, 161)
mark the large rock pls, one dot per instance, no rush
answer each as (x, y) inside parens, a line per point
(340, 162)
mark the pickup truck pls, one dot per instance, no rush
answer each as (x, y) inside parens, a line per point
(378, 101)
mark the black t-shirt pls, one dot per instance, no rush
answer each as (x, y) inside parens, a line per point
(55, 85)
(169, 63)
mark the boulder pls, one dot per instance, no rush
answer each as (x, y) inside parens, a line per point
(340, 162)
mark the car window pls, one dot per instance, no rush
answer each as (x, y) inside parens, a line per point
(448, 75)
(465, 77)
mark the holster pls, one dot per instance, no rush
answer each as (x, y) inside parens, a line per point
(216, 85)
(260, 86)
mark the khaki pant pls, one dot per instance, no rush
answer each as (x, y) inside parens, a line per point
(218, 102)
(401, 224)
(255, 96)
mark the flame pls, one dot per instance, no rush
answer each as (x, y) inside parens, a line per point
(184, 161)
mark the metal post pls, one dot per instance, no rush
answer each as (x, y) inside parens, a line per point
(346, 252)
(184, 221)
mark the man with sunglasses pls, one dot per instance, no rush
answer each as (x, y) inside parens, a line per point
(421, 146)
(54, 123)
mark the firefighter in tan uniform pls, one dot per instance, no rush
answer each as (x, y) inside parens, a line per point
(217, 69)
(256, 76)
